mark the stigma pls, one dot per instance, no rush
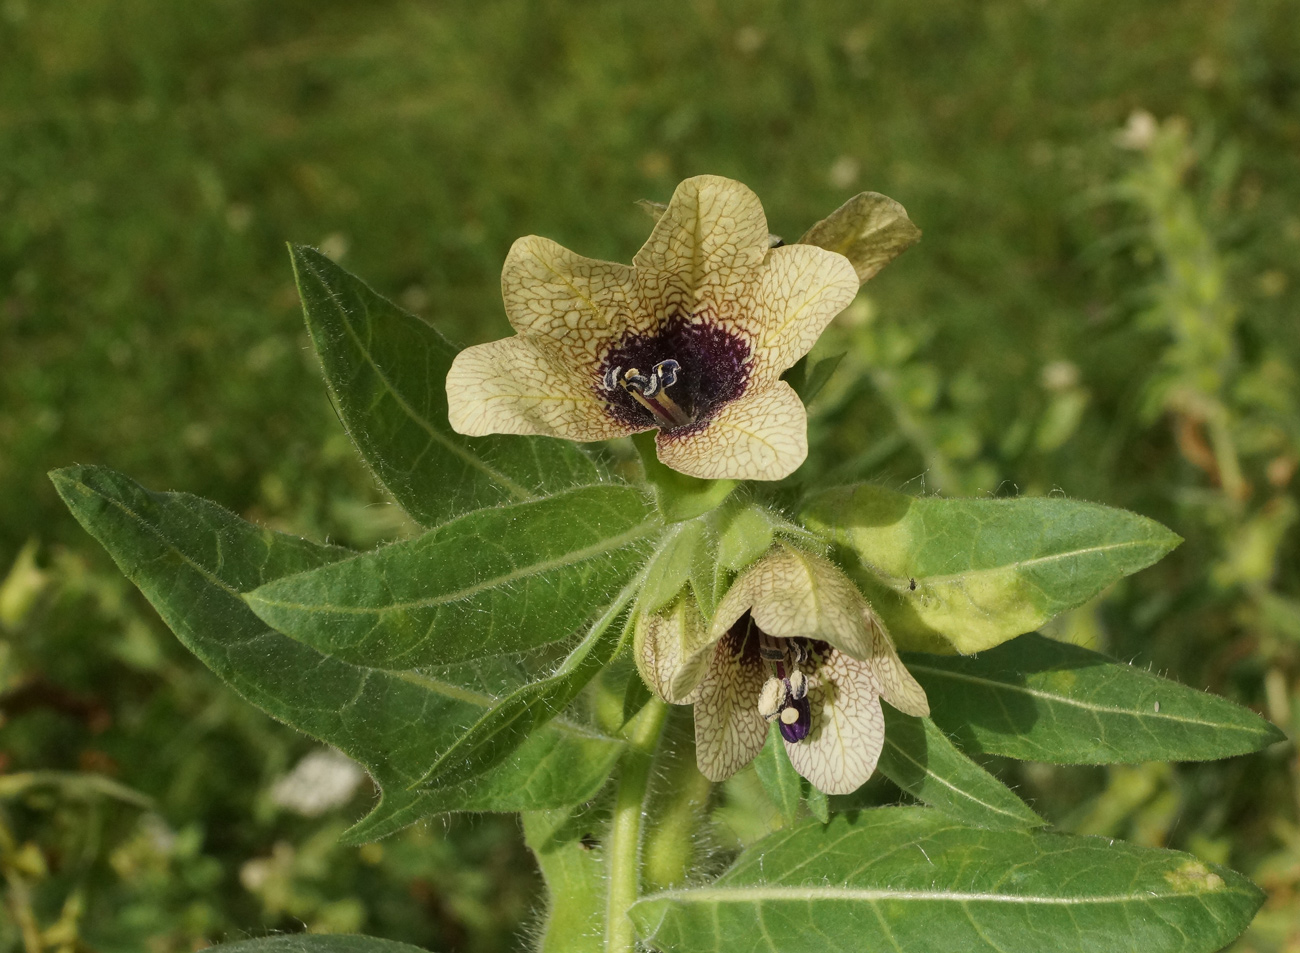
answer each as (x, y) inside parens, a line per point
(651, 391)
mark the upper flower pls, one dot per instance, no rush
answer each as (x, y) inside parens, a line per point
(691, 339)
(793, 643)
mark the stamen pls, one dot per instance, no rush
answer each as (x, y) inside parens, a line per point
(771, 698)
(784, 697)
(648, 390)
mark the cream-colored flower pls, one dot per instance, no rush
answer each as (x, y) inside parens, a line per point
(691, 339)
(792, 642)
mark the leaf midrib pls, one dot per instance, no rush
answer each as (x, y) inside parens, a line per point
(436, 686)
(1074, 702)
(517, 491)
(877, 894)
(1010, 566)
(569, 558)
(960, 792)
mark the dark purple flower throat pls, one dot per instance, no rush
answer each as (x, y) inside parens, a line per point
(677, 378)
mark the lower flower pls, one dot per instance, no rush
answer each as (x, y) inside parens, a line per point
(792, 643)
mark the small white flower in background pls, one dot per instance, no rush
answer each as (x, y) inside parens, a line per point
(321, 781)
(1139, 132)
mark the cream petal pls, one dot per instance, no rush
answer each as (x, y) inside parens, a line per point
(802, 288)
(795, 594)
(579, 303)
(521, 386)
(702, 255)
(762, 435)
(897, 686)
(711, 224)
(848, 727)
(672, 650)
(729, 731)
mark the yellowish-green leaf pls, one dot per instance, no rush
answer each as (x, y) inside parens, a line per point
(966, 575)
(870, 230)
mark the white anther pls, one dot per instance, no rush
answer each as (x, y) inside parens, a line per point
(771, 698)
(789, 715)
(798, 683)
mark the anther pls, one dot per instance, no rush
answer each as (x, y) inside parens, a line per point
(771, 698)
(649, 390)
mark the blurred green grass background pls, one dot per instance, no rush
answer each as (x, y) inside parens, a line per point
(1104, 304)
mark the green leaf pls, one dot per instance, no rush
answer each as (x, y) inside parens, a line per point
(317, 943)
(745, 532)
(920, 759)
(192, 559)
(779, 778)
(635, 695)
(510, 722)
(491, 582)
(870, 230)
(808, 379)
(970, 574)
(1041, 700)
(387, 371)
(910, 880)
(671, 566)
(819, 804)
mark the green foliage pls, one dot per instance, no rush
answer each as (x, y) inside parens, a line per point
(193, 560)
(970, 574)
(318, 944)
(414, 659)
(1041, 700)
(908, 879)
(452, 594)
(379, 363)
(921, 759)
(1113, 324)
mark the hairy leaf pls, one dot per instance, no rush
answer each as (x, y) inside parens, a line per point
(509, 723)
(1042, 700)
(970, 574)
(779, 778)
(491, 582)
(920, 759)
(387, 372)
(317, 943)
(192, 559)
(910, 880)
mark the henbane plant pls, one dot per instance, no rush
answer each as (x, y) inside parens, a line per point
(605, 638)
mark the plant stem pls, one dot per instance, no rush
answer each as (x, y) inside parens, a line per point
(625, 832)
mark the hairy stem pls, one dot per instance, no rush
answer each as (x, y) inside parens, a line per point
(625, 831)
